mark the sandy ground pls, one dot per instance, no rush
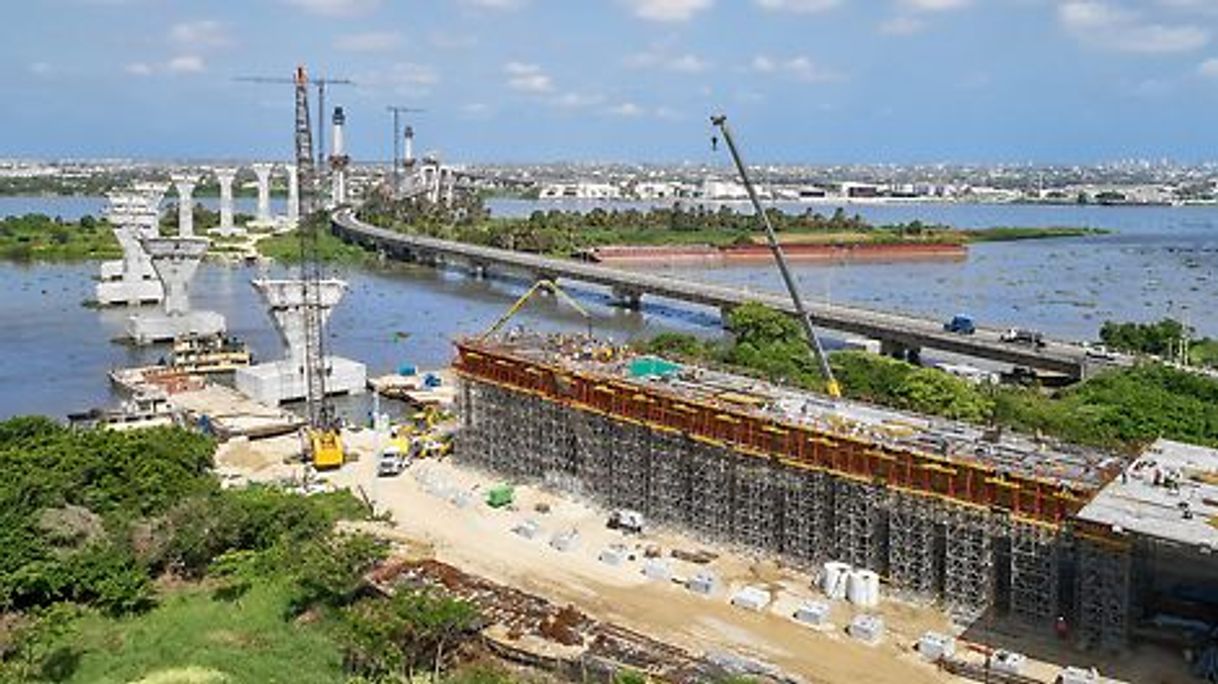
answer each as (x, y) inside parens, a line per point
(440, 506)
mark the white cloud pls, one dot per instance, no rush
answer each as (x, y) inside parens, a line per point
(668, 10)
(369, 41)
(799, 6)
(659, 58)
(1116, 28)
(41, 69)
(1208, 68)
(527, 78)
(496, 4)
(139, 69)
(475, 110)
(203, 33)
(800, 67)
(576, 100)
(935, 5)
(902, 26)
(336, 8)
(626, 109)
(186, 64)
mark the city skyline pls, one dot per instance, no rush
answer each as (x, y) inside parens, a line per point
(805, 81)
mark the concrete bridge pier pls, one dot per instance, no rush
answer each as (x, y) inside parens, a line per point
(901, 351)
(725, 315)
(479, 269)
(627, 297)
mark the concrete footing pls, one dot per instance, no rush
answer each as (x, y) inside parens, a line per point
(280, 381)
(129, 292)
(155, 327)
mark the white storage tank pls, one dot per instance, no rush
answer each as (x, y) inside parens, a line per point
(863, 588)
(833, 579)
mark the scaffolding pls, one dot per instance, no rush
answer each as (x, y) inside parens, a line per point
(942, 528)
(1103, 591)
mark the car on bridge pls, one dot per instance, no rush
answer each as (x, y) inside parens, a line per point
(1032, 338)
(960, 324)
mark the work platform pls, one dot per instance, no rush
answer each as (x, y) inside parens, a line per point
(1169, 493)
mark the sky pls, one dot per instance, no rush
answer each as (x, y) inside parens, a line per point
(802, 81)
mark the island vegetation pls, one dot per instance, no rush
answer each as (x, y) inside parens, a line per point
(1120, 409)
(125, 560)
(564, 233)
(38, 237)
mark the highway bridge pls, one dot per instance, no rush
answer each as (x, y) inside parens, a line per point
(899, 334)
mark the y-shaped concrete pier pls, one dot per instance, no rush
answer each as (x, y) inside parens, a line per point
(279, 381)
(130, 281)
(293, 194)
(263, 218)
(225, 178)
(185, 186)
(175, 260)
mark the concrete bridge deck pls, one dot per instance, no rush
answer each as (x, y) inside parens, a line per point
(895, 331)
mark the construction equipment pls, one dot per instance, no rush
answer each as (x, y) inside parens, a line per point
(543, 284)
(805, 318)
(320, 83)
(398, 162)
(321, 440)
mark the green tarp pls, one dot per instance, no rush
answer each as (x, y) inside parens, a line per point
(650, 365)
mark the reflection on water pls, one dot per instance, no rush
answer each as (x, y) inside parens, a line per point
(54, 353)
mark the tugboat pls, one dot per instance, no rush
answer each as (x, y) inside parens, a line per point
(209, 354)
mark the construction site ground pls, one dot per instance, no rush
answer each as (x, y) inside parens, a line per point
(439, 511)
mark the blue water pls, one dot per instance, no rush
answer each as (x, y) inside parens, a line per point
(72, 208)
(54, 353)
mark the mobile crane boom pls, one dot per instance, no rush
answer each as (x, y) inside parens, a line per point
(818, 351)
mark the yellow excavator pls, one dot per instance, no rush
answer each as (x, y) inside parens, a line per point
(832, 388)
(542, 284)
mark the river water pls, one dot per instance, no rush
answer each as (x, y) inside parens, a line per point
(54, 352)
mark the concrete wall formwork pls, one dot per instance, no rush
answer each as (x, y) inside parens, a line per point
(927, 547)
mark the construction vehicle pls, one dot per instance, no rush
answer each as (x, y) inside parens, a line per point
(542, 284)
(832, 388)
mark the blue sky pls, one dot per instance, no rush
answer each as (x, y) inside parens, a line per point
(817, 81)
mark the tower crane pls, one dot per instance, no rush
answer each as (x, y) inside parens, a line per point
(319, 82)
(805, 318)
(322, 444)
(397, 111)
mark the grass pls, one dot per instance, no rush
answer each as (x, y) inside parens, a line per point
(193, 637)
(285, 248)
